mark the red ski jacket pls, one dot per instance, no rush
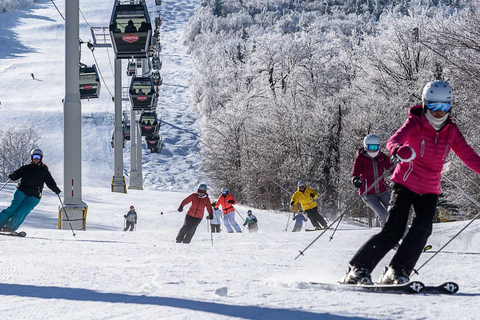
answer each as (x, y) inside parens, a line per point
(223, 201)
(198, 205)
(369, 170)
(423, 174)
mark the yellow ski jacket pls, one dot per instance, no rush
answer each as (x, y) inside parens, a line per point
(305, 199)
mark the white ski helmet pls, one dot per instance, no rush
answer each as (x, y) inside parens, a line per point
(437, 91)
(36, 151)
(224, 190)
(301, 183)
(202, 187)
(371, 139)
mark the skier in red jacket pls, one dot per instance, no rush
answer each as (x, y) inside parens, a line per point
(369, 165)
(422, 144)
(200, 201)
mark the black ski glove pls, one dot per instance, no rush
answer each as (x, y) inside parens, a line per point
(210, 217)
(12, 176)
(292, 203)
(124, 216)
(357, 182)
(312, 195)
(180, 208)
(231, 201)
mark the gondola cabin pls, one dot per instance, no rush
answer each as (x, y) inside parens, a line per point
(157, 78)
(154, 143)
(131, 68)
(142, 93)
(89, 82)
(156, 63)
(148, 123)
(126, 130)
(130, 29)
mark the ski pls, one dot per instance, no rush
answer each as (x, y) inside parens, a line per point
(411, 287)
(14, 234)
(446, 288)
(314, 229)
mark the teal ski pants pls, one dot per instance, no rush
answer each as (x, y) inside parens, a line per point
(21, 205)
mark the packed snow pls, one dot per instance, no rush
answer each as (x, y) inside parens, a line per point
(105, 273)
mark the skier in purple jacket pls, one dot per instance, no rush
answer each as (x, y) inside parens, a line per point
(422, 144)
(369, 165)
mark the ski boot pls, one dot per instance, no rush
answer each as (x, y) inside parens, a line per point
(394, 276)
(356, 275)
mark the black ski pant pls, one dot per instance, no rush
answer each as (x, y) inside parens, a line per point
(315, 218)
(130, 225)
(370, 254)
(188, 229)
(215, 228)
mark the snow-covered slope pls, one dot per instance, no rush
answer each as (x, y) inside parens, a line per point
(105, 273)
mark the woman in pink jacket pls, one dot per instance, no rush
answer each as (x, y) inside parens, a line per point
(422, 144)
(369, 165)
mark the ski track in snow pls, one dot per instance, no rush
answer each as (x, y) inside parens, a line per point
(105, 273)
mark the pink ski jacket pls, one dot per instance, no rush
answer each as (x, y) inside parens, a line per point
(423, 174)
(369, 170)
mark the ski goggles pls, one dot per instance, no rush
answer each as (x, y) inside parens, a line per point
(36, 157)
(439, 106)
(373, 147)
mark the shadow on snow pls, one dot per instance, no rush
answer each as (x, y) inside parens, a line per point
(10, 45)
(243, 312)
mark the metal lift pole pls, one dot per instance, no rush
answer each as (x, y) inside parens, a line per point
(118, 181)
(72, 124)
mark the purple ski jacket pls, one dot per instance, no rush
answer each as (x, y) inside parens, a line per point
(423, 174)
(369, 170)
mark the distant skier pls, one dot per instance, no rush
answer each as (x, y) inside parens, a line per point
(299, 220)
(199, 202)
(217, 219)
(421, 145)
(251, 222)
(227, 201)
(306, 197)
(131, 219)
(369, 165)
(29, 191)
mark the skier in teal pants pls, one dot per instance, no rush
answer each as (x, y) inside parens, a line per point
(29, 191)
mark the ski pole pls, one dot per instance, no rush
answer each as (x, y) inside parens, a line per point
(5, 184)
(66, 215)
(342, 180)
(415, 271)
(348, 208)
(238, 213)
(211, 232)
(288, 222)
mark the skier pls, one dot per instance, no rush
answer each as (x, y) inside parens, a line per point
(306, 197)
(227, 201)
(194, 216)
(251, 222)
(422, 144)
(370, 164)
(217, 217)
(299, 220)
(131, 218)
(29, 191)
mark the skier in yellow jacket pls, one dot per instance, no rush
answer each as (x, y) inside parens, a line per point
(306, 197)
